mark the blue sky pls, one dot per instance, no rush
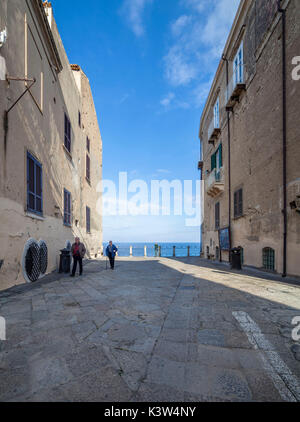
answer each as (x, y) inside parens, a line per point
(150, 64)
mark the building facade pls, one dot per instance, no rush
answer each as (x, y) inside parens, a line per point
(250, 140)
(50, 147)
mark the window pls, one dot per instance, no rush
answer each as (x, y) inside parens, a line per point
(238, 66)
(88, 144)
(269, 259)
(34, 185)
(67, 141)
(79, 119)
(88, 170)
(217, 215)
(217, 159)
(67, 208)
(88, 220)
(238, 203)
(217, 114)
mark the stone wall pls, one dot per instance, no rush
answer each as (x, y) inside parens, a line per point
(256, 139)
(36, 124)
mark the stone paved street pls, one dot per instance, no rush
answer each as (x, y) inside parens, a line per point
(152, 330)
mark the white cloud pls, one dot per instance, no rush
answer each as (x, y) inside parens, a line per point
(179, 70)
(133, 11)
(198, 40)
(178, 26)
(167, 100)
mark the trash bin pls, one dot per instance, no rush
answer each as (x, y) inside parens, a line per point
(65, 261)
(236, 263)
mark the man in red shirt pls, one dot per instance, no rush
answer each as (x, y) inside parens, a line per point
(78, 251)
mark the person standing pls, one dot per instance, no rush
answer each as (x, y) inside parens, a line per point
(111, 251)
(78, 251)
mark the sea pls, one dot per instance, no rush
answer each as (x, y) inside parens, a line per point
(166, 249)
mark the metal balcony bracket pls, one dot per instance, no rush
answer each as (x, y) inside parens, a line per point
(11, 78)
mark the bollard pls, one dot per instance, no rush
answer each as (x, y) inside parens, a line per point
(174, 251)
(145, 251)
(189, 250)
(130, 250)
(159, 251)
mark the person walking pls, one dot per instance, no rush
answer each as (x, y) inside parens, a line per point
(78, 251)
(111, 251)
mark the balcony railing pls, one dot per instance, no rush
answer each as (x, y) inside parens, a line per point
(214, 184)
(234, 90)
(213, 131)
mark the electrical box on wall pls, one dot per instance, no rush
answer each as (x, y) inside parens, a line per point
(3, 37)
(2, 69)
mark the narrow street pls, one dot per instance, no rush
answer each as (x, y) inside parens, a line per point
(152, 330)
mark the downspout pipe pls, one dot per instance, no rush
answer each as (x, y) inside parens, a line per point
(229, 154)
(284, 137)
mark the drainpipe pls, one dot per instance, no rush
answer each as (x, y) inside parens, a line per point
(229, 156)
(284, 139)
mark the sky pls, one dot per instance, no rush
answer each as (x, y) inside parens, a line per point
(150, 64)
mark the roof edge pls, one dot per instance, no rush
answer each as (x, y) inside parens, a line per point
(243, 7)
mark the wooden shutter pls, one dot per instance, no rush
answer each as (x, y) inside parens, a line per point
(240, 202)
(220, 156)
(235, 204)
(217, 215)
(213, 162)
(34, 185)
(88, 171)
(88, 219)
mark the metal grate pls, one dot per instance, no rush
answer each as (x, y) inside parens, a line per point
(43, 257)
(32, 262)
(269, 259)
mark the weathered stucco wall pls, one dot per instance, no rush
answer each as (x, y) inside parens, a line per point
(36, 124)
(256, 139)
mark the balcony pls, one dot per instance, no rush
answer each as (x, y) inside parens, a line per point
(213, 132)
(234, 91)
(214, 184)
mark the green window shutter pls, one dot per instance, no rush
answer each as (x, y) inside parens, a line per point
(220, 156)
(213, 162)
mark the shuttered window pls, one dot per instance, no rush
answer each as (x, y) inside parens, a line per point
(88, 220)
(67, 133)
(67, 208)
(34, 185)
(88, 170)
(217, 215)
(217, 158)
(238, 203)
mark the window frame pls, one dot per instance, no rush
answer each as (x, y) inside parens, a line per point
(269, 257)
(88, 168)
(238, 203)
(238, 65)
(217, 114)
(67, 134)
(36, 164)
(88, 219)
(66, 213)
(217, 216)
